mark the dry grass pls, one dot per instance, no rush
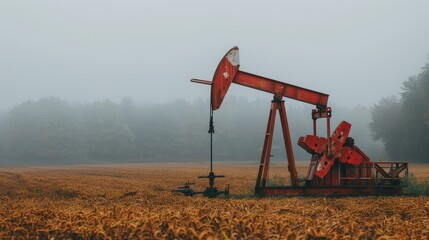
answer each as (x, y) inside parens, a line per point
(135, 202)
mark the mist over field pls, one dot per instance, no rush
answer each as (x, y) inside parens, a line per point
(53, 131)
(108, 81)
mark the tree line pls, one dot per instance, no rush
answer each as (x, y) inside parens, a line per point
(402, 122)
(51, 130)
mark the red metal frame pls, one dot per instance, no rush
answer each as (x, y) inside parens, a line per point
(371, 178)
(340, 167)
(261, 180)
(281, 89)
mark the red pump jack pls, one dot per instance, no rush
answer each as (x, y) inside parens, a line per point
(337, 166)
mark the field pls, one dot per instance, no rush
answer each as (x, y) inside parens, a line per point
(135, 201)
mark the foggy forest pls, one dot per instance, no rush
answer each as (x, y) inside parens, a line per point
(51, 130)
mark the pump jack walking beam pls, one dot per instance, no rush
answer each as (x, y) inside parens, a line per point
(228, 72)
(279, 89)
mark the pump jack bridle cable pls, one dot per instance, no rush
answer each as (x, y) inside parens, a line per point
(211, 131)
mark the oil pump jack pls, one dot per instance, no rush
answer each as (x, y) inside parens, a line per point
(337, 166)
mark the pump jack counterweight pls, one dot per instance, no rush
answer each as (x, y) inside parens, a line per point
(337, 166)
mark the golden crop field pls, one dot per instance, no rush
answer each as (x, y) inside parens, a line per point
(135, 201)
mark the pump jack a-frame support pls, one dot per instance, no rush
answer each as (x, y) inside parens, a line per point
(261, 181)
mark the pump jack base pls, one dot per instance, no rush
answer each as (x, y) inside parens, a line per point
(328, 191)
(210, 192)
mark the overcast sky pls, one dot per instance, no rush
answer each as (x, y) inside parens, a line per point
(86, 50)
